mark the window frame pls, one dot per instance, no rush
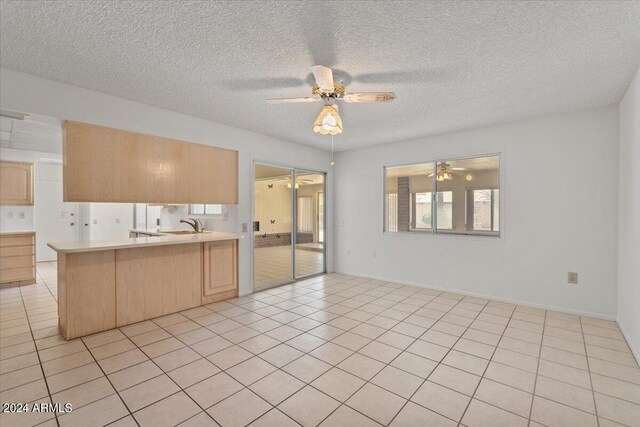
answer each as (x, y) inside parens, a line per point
(434, 231)
(213, 215)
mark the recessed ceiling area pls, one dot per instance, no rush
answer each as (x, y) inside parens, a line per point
(452, 65)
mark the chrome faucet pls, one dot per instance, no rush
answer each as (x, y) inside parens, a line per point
(196, 224)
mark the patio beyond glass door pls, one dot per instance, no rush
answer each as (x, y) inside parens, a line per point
(288, 225)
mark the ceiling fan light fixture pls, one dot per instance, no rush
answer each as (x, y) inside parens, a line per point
(328, 121)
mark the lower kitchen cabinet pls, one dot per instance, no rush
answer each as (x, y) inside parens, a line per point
(125, 283)
(17, 259)
(220, 270)
(157, 280)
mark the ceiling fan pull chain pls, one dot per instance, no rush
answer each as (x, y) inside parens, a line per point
(332, 156)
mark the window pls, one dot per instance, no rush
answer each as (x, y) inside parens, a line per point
(392, 212)
(449, 196)
(305, 214)
(205, 209)
(485, 206)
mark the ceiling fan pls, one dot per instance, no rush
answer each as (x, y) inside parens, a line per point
(445, 172)
(330, 90)
(299, 181)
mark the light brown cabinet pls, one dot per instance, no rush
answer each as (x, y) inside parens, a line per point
(157, 280)
(17, 259)
(220, 271)
(111, 165)
(86, 293)
(100, 290)
(17, 183)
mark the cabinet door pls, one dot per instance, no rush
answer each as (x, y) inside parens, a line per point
(220, 268)
(17, 183)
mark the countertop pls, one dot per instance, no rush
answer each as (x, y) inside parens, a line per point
(18, 232)
(157, 232)
(139, 242)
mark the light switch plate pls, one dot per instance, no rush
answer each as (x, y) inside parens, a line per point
(245, 227)
(21, 215)
(572, 278)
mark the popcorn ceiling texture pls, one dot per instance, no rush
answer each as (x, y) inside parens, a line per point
(453, 65)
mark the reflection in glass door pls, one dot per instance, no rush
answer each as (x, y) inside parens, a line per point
(272, 226)
(309, 241)
(289, 232)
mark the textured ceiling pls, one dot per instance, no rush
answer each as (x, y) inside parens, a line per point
(453, 65)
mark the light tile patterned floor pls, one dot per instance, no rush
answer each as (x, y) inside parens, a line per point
(273, 265)
(334, 350)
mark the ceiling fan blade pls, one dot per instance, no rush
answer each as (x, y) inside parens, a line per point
(461, 169)
(368, 97)
(292, 100)
(430, 175)
(324, 77)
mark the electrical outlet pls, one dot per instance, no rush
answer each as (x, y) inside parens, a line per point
(245, 227)
(10, 215)
(572, 278)
(373, 255)
(348, 252)
(21, 215)
(95, 222)
(117, 220)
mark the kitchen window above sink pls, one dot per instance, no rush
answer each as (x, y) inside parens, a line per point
(200, 209)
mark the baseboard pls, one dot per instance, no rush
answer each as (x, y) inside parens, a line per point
(634, 350)
(479, 295)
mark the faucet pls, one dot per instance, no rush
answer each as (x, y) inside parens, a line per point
(196, 224)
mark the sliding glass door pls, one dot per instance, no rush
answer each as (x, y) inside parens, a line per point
(288, 225)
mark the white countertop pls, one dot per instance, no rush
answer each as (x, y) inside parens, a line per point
(139, 242)
(18, 232)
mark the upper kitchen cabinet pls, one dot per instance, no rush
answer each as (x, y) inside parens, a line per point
(111, 165)
(17, 183)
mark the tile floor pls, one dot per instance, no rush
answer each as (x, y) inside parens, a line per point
(334, 350)
(273, 265)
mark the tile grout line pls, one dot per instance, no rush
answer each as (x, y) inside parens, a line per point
(586, 356)
(55, 414)
(535, 379)
(487, 367)
(369, 380)
(443, 357)
(112, 386)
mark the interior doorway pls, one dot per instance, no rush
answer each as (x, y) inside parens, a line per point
(55, 220)
(288, 225)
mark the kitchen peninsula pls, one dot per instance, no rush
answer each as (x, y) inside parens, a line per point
(111, 283)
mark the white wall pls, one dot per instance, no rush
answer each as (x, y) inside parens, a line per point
(109, 221)
(27, 93)
(559, 195)
(629, 217)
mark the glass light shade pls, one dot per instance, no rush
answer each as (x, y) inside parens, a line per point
(469, 177)
(289, 185)
(328, 121)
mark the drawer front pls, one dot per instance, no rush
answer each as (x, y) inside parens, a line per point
(16, 251)
(17, 240)
(16, 275)
(7, 263)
